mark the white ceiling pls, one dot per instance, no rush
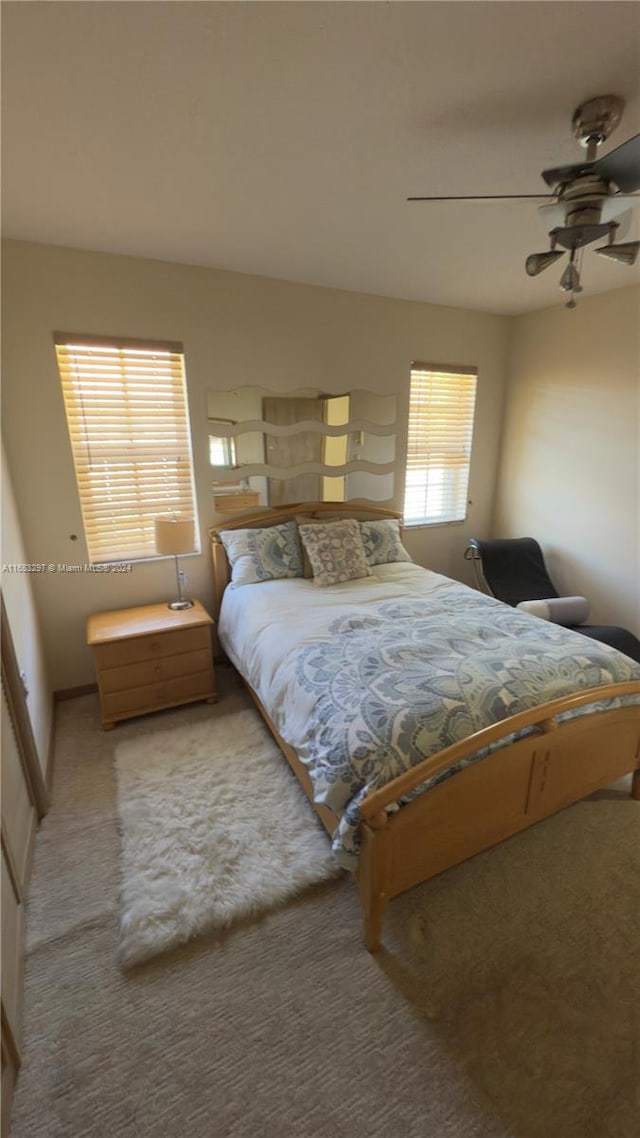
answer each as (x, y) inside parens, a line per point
(283, 138)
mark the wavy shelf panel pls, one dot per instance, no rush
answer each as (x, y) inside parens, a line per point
(260, 426)
(305, 443)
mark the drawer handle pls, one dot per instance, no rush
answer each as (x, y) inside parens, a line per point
(155, 645)
(158, 670)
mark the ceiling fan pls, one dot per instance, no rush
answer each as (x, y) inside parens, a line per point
(586, 198)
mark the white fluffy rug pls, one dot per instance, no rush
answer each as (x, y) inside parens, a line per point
(214, 828)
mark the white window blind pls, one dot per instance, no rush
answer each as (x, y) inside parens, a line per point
(127, 415)
(441, 411)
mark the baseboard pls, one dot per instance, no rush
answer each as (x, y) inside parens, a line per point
(73, 693)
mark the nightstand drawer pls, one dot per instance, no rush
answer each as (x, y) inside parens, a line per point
(152, 671)
(137, 648)
(151, 697)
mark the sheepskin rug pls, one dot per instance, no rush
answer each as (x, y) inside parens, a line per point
(214, 828)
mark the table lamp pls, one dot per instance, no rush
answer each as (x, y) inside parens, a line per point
(174, 536)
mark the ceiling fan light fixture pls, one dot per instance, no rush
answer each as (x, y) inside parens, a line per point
(570, 279)
(626, 253)
(616, 205)
(536, 262)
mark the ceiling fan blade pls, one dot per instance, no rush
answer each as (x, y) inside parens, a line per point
(622, 165)
(486, 198)
(566, 173)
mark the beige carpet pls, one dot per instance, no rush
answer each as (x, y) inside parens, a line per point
(506, 1003)
(214, 828)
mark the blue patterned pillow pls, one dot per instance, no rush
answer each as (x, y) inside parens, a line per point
(381, 540)
(335, 551)
(263, 554)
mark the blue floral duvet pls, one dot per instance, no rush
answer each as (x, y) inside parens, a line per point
(368, 678)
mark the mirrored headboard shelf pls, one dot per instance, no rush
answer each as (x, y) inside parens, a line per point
(302, 445)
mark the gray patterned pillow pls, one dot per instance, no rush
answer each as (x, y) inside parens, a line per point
(381, 540)
(335, 551)
(263, 554)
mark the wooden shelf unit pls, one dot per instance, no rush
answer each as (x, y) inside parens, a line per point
(235, 502)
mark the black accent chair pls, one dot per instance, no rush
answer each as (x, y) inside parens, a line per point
(513, 570)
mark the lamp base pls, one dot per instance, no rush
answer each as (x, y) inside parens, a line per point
(180, 605)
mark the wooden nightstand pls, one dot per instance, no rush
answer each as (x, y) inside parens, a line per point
(151, 657)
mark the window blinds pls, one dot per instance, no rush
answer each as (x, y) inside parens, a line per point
(126, 410)
(441, 411)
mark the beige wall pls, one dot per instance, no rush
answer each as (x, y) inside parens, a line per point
(236, 330)
(570, 465)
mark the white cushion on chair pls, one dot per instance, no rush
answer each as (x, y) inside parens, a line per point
(559, 610)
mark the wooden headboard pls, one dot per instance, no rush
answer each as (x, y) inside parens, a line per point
(267, 516)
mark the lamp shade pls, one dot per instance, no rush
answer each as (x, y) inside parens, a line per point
(175, 535)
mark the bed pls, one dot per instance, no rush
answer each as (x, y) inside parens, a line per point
(425, 721)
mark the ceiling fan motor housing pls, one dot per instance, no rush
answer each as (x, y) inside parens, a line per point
(585, 187)
(594, 120)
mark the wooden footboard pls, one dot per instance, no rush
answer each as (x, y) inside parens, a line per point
(494, 798)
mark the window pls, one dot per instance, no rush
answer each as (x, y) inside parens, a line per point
(441, 410)
(222, 448)
(127, 415)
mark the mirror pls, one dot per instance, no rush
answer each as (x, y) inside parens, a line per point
(307, 445)
(222, 449)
